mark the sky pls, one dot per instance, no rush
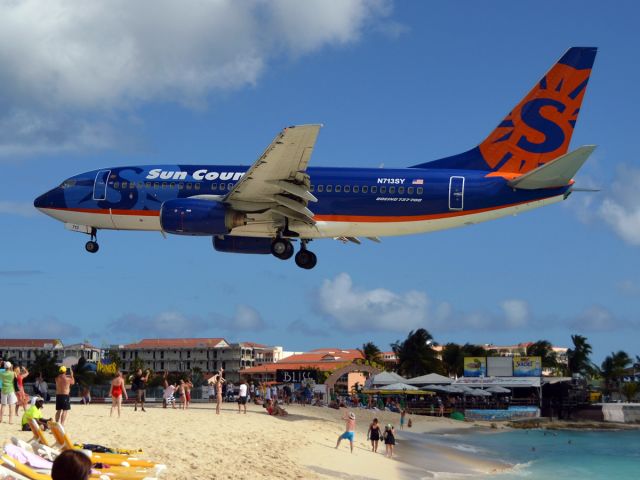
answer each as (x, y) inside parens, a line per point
(102, 84)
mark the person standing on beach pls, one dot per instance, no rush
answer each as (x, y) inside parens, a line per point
(389, 440)
(138, 385)
(63, 387)
(116, 392)
(349, 431)
(8, 391)
(403, 414)
(187, 393)
(242, 396)
(374, 435)
(23, 399)
(219, 379)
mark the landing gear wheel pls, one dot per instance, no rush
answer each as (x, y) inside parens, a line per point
(306, 259)
(91, 246)
(282, 248)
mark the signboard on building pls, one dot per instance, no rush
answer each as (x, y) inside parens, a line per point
(475, 366)
(296, 376)
(527, 366)
(499, 367)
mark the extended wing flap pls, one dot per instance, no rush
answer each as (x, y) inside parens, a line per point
(557, 173)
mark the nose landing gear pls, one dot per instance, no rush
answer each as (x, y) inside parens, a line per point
(92, 245)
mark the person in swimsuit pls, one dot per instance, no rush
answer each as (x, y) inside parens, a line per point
(180, 396)
(219, 380)
(23, 399)
(349, 431)
(389, 440)
(374, 435)
(187, 392)
(116, 392)
(63, 387)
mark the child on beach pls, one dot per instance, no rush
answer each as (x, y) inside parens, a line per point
(389, 440)
(374, 435)
(403, 414)
(350, 427)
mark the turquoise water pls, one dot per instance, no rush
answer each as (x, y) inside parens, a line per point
(557, 455)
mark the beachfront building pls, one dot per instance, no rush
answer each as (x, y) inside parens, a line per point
(22, 351)
(77, 350)
(181, 355)
(325, 360)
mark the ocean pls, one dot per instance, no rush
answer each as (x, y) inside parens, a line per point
(549, 454)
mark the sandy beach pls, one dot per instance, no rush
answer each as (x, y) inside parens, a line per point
(198, 444)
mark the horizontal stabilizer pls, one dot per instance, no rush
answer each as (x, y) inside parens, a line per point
(557, 173)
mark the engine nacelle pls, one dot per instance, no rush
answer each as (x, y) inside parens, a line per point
(232, 244)
(184, 216)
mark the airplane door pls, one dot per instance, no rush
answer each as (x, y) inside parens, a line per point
(456, 193)
(100, 185)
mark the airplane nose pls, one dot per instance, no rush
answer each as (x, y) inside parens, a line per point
(41, 201)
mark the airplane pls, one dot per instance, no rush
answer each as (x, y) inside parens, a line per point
(264, 208)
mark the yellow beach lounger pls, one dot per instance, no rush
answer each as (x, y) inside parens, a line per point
(65, 443)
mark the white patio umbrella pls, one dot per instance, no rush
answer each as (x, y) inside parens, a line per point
(398, 386)
(498, 389)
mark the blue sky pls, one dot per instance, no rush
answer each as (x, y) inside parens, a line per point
(394, 84)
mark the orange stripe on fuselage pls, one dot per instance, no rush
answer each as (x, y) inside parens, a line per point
(331, 218)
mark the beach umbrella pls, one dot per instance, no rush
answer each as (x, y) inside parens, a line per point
(398, 386)
(430, 379)
(479, 393)
(387, 378)
(498, 389)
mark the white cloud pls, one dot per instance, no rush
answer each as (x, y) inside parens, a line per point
(352, 308)
(61, 59)
(163, 324)
(595, 318)
(46, 327)
(245, 319)
(516, 313)
(628, 287)
(617, 206)
(21, 209)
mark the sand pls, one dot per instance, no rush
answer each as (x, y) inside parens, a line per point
(198, 444)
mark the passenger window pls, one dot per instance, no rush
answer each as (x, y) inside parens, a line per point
(116, 185)
(383, 189)
(140, 184)
(400, 190)
(311, 188)
(147, 184)
(329, 188)
(172, 185)
(410, 190)
(222, 186)
(125, 185)
(338, 188)
(392, 189)
(419, 190)
(156, 185)
(197, 186)
(347, 188)
(365, 189)
(356, 189)
(164, 184)
(320, 188)
(374, 189)
(214, 186)
(230, 186)
(189, 186)
(180, 186)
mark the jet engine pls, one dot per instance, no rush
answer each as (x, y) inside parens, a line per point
(185, 216)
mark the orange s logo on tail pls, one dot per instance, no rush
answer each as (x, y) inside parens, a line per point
(539, 128)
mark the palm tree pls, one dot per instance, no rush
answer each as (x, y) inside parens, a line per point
(629, 390)
(415, 355)
(45, 364)
(543, 349)
(578, 356)
(453, 357)
(612, 369)
(371, 352)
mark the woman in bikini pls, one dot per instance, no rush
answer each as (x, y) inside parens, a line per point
(20, 374)
(219, 380)
(117, 391)
(180, 395)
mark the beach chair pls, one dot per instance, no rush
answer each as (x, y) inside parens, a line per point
(65, 443)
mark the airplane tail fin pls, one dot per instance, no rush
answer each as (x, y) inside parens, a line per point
(539, 128)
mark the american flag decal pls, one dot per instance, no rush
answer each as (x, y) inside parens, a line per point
(418, 181)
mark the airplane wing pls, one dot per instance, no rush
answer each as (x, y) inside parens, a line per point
(277, 183)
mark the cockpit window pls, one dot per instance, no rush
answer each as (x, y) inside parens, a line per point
(68, 183)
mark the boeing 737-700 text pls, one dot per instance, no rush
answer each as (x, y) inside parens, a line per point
(523, 164)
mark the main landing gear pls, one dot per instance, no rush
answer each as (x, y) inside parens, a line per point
(282, 248)
(92, 245)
